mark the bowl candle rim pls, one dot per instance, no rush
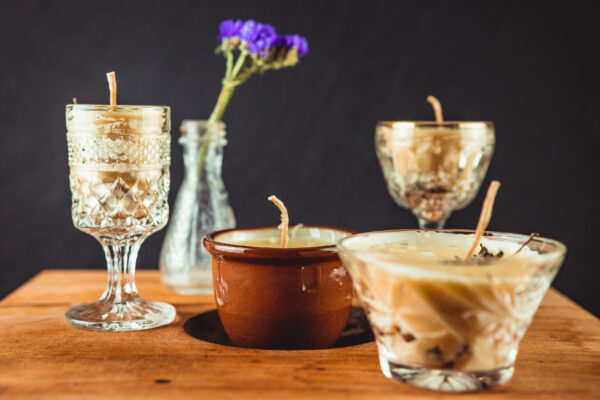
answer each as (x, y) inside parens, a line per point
(558, 249)
(212, 244)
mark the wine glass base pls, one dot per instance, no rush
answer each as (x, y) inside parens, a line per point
(446, 380)
(133, 315)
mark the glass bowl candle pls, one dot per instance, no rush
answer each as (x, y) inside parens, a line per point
(272, 297)
(441, 322)
(433, 168)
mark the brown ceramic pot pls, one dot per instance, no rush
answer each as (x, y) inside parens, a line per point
(280, 298)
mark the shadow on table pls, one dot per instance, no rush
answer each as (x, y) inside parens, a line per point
(207, 327)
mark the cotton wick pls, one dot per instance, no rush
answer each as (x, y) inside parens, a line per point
(484, 217)
(285, 220)
(437, 109)
(531, 236)
(74, 100)
(112, 86)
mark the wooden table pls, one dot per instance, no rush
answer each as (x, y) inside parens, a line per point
(41, 357)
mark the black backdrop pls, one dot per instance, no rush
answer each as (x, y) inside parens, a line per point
(306, 133)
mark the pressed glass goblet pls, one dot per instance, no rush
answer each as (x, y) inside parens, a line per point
(119, 176)
(434, 168)
(442, 323)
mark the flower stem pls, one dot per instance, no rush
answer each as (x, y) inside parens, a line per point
(229, 67)
(239, 64)
(229, 84)
(224, 96)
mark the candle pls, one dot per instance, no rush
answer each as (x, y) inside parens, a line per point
(119, 159)
(434, 315)
(442, 320)
(274, 242)
(434, 167)
(302, 236)
(268, 296)
(117, 122)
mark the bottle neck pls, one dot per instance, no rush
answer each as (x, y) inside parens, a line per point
(213, 161)
(202, 144)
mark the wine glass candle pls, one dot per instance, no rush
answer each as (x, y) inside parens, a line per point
(434, 167)
(446, 317)
(119, 159)
(275, 290)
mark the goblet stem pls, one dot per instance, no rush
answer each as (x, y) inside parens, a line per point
(424, 224)
(120, 308)
(121, 257)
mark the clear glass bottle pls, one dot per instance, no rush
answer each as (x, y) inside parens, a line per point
(202, 206)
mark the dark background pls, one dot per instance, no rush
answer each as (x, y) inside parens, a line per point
(306, 133)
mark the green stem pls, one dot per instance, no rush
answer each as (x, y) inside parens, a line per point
(229, 84)
(239, 63)
(213, 121)
(229, 67)
(224, 96)
(242, 78)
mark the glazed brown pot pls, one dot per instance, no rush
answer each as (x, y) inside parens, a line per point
(280, 298)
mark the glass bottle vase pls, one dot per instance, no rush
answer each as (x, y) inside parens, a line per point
(202, 206)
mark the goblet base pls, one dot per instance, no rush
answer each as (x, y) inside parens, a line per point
(108, 316)
(446, 380)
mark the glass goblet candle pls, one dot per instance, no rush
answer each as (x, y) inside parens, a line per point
(433, 168)
(272, 297)
(119, 176)
(443, 323)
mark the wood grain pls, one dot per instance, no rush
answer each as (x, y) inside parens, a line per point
(41, 357)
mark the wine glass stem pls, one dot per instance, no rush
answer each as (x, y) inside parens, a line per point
(121, 257)
(424, 224)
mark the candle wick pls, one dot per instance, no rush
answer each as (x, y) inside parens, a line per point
(437, 109)
(484, 217)
(112, 86)
(285, 220)
(531, 236)
(74, 100)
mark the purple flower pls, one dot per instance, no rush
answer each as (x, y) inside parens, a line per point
(229, 28)
(301, 44)
(289, 41)
(258, 36)
(281, 41)
(261, 40)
